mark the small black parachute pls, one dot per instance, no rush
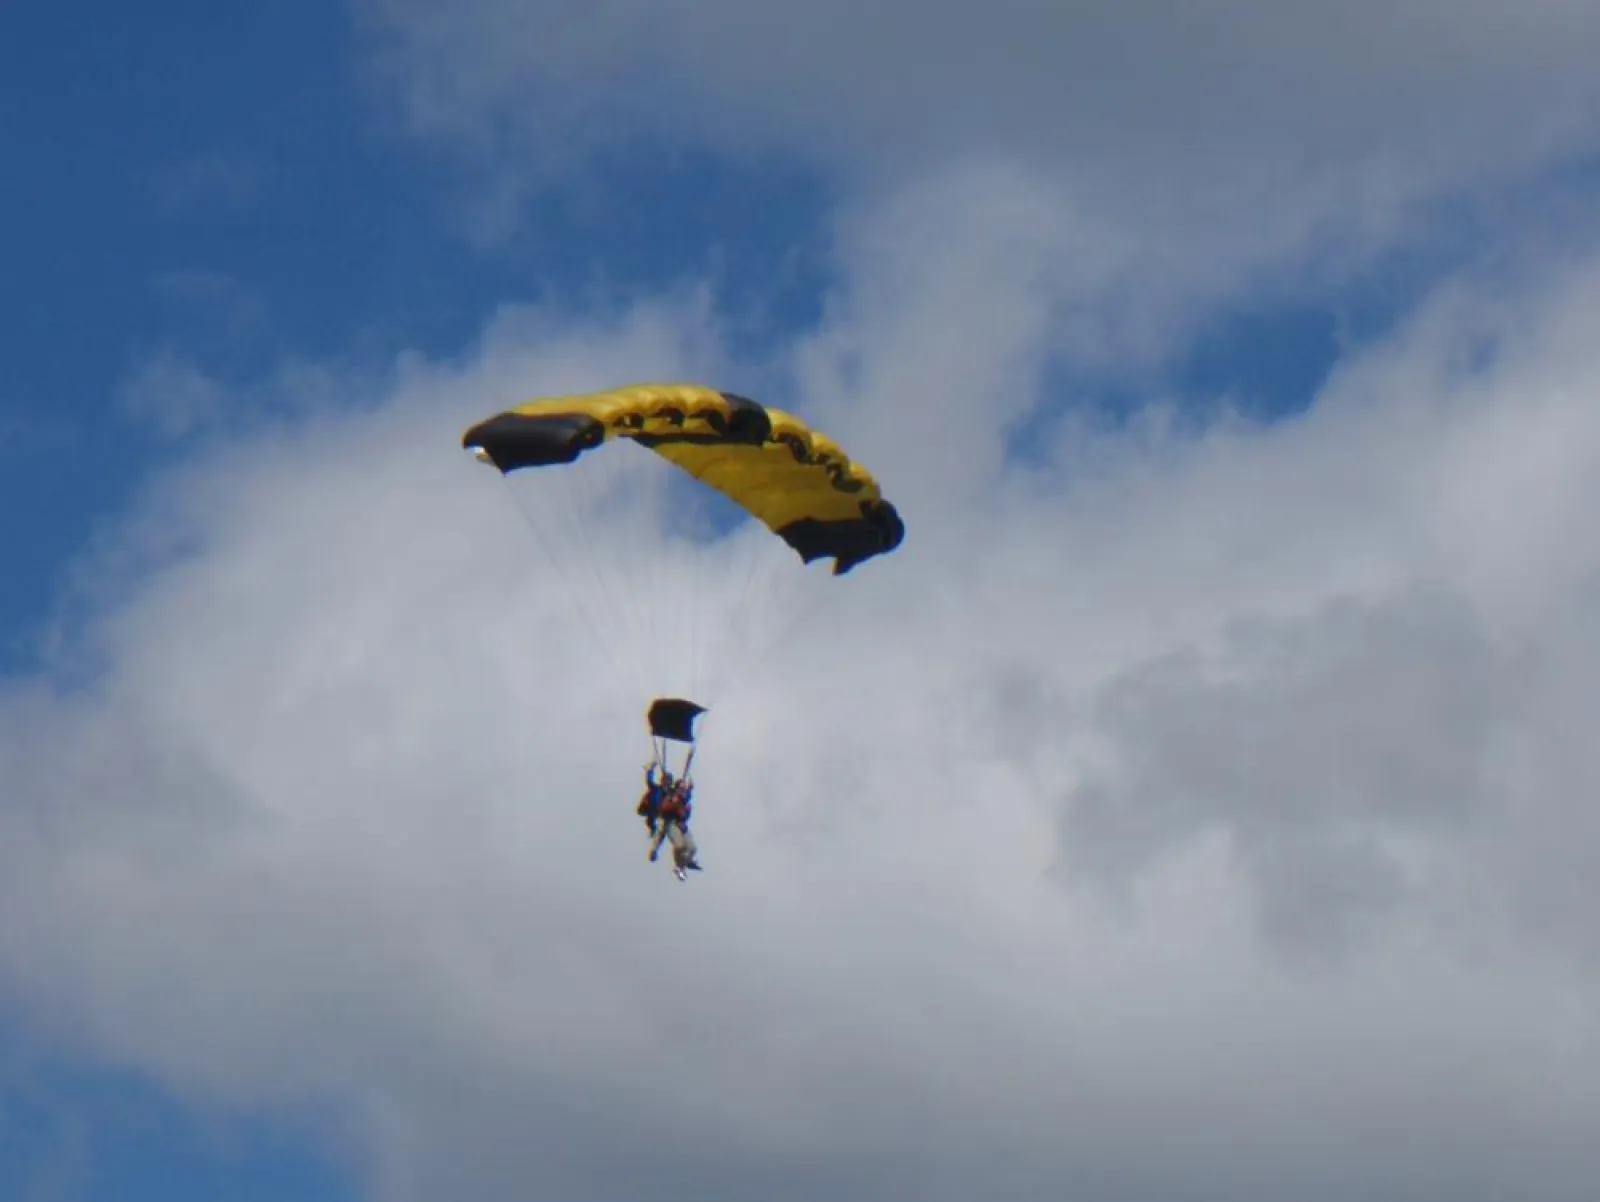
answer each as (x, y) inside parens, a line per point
(673, 718)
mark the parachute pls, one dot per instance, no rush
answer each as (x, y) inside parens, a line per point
(673, 718)
(683, 592)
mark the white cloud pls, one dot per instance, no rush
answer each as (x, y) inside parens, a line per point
(1214, 786)
(345, 818)
(1195, 151)
(174, 396)
(1286, 88)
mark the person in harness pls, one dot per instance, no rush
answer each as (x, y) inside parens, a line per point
(649, 807)
(672, 825)
(667, 803)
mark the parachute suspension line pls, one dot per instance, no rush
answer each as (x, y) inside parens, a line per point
(718, 627)
(708, 610)
(697, 619)
(643, 598)
(670, 612)
(705, 610)
(553, 561)
(771, 600)
(584, 537)
(652, 541)
(607, 552)
(701, 638)
(616, 545)
(728, 444)
(818, 599)
(642, 568)
(678, 608)
(661, 753)
(740, 634)
(752, 568)
(577, 509)
(665, 608)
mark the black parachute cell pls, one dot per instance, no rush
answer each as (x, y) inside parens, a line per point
(673, 718)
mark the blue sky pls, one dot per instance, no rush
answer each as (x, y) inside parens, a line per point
(234, 189)
(187, 191)
(183, 176)
(221, 185)
(215, 183)
(75, 1133)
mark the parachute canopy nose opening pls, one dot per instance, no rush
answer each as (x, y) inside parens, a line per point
(673, 718)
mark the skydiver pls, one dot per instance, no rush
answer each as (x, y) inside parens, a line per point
(677, 805)
(649, 807)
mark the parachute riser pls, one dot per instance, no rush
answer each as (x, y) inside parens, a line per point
(662, 756)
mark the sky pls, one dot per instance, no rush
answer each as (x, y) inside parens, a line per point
(1197, 807)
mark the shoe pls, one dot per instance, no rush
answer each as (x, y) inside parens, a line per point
(680, 874)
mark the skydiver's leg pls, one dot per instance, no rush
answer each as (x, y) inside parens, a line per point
(675, 834)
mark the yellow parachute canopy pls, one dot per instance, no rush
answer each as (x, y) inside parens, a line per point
(793, 479)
